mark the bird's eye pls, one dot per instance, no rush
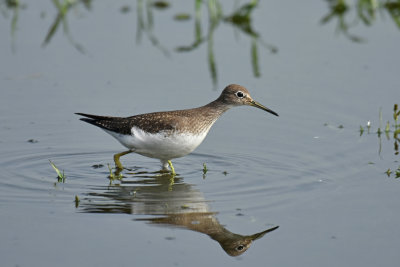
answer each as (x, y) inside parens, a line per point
(240, 248)
(239, 94)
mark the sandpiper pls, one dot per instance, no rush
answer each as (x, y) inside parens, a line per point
(171, 134)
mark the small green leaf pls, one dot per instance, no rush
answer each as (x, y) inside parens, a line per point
(113, 175)
(205, 170)
(379, 132)
(396, 133)
(182, 16)
(77, 200)
(387, 128)
(60, 175)
(125, 9)
(161, 4)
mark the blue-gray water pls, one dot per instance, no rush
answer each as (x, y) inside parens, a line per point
(307, 171)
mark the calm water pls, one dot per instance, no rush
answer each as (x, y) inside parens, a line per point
(307, 171)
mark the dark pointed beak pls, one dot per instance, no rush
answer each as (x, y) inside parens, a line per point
(258, 105)
(261, 234)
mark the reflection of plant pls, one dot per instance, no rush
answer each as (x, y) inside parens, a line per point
(366, 11)
(61, 17)
(15, 6)
(388, 130)
(147, 25)
(205, 170)
(240, 19)
(393, 8)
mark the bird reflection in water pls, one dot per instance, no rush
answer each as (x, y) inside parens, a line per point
(175, 204)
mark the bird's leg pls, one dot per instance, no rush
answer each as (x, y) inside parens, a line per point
(165, 164)
(172, 168)
(118, 164)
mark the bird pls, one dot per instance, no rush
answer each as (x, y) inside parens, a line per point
(170, 134)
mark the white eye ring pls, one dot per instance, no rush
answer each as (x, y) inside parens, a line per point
(240, 94)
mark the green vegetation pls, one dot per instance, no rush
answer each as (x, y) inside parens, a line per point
(77, 201)
(161, 4)
(347, 13)
(205, 170)
(396, 172)
(117, 175)
(61, 18)
(60, 175)
(396, 115)
(182, 16)
(366, 12)
(239, 19)
(390, 130)
(15, 6)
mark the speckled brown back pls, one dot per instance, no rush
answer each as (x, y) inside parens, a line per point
(189, 120)
(193, 121)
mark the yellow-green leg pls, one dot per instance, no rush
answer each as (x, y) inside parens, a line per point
(118, 164)
(172, 168)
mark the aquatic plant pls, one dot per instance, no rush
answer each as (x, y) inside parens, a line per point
(390, 130)
(205, 170)
(60, 175)
(61, 18)
(366, 13)
(240, 19)
(77, 201)
(396, 172)
(117, 175)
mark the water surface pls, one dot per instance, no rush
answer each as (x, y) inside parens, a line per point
(307, 171)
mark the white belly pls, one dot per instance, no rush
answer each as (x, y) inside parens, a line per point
(160, 145)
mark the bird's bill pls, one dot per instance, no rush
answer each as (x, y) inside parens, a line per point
(261, 234)
(258, 105)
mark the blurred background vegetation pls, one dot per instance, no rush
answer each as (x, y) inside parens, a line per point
(346, 14)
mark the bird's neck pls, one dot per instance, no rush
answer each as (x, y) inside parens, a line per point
(217, 107)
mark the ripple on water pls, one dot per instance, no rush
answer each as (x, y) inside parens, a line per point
(247, 182)
(28, 175)
(240, 180)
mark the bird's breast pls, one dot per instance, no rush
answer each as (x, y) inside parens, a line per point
(164, 145)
